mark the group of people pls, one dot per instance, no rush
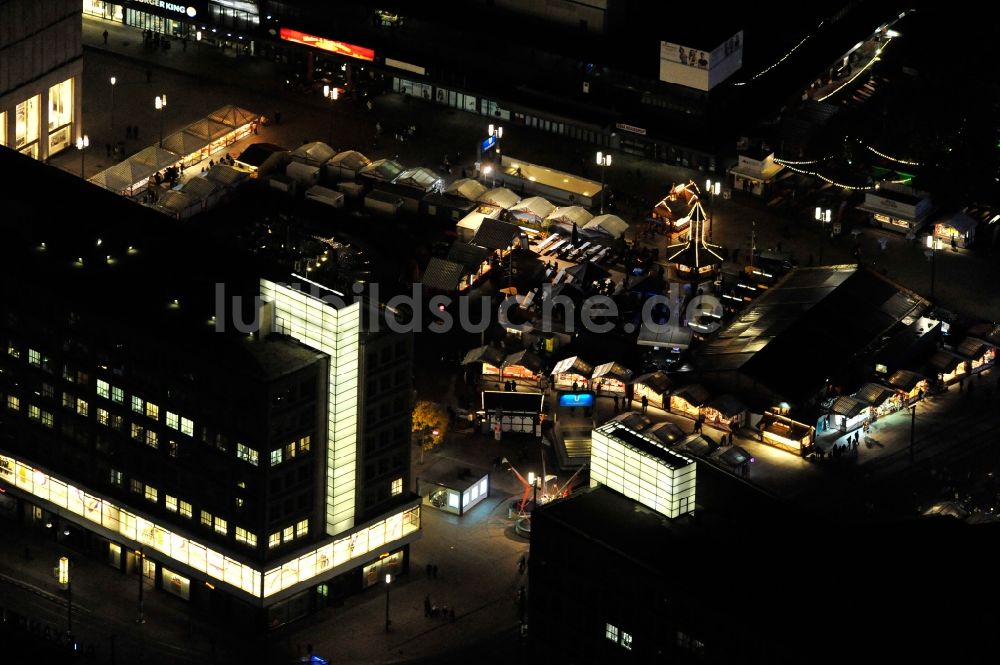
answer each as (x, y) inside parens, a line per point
(510, 386)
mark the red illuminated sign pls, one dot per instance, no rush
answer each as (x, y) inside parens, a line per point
(325, 44)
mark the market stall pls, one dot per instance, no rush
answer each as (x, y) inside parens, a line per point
(523, 365)
(688, 400)
(420, 178)
(672, 210)
(452, 488)
(474, 259)
(131, 177)
(724, 412)
(532, 210)
(382, 170)
(910, 385)
(847, 414)
(610, 379)
(572, 374)
(468, 226)
(633, 420)
(564, 217)
(881, 400)
(947, 367)
(654, 386)
(263, 159)
(178, 205)
(956, 230)
(203, 189)
(489, 356)
(978, 354)
(226, 178)
(782, 432)
(513, 412)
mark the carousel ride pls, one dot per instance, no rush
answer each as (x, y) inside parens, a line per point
(537, 490)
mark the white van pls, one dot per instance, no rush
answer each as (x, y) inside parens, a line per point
(326, 196)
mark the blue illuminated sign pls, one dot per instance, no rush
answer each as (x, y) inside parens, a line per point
(489, 142)
(576, 399)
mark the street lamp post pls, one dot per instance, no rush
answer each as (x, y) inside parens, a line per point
(388, 584)
(913, 428)
(64, 581)
(603, 160)
(160, 103)
(533, 481)
(488, 170)
(141, 618)
(933, 245)
(496, 132)
(82, 143)
(114, 80)
(712, 188)
(333, 94)
(823, 217)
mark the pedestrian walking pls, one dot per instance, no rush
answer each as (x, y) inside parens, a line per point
(105, 35)
(521, 564)
(434, 571)
(645, 403)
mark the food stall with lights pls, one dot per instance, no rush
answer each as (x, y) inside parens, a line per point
(956, 230)
(897, 207)
(881, 400)
(610, 379)
(672, 210)
(780, 431)
(490, 357)
(654, 386)
(556, 186)
(523, 365)
(572, 373)
(688, 400)
(724, 412)
(978, 354)
(848, 413)
(947, 367)
(909, 385)
(453, 488)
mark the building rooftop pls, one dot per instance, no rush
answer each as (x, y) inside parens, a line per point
(617, 430)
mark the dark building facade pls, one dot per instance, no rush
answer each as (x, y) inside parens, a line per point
(614, 582)
(139, 415)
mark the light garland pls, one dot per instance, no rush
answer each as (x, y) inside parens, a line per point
(875, 58)
(832, 182)
(907, 162)
(782, 58)
(804, 162)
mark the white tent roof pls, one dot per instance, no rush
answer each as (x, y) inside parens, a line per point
(500, 196)
(350, 159)
(570, 214)
(383, 169)
(534, 206)
(611, 225)
(314, 153)
(467, 188)
(224, 175)
(199, 187)
(419, 178)
(474, 220)
(174, 201)
(136, 168)
(233, 116)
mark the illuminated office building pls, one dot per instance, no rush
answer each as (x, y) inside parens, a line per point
(261, 475)
(642, 469)
(41, 75)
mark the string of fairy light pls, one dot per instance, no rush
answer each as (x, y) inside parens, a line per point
(782, 58)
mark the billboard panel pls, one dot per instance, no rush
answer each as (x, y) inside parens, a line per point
(324, 44)
(699, 69)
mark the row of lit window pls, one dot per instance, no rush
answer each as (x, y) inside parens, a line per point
(288, 451)
(288, 534)
(618, 636)
(34, 412)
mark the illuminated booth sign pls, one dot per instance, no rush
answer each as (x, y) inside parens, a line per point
(576, 399)
(325, 44)
(642, 469)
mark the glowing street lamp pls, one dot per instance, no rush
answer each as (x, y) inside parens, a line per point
(712, 188)
(82, 143)
(388, 584)
(603, 160)
(63, 575)
(160, 103)
(933, 245)
(823, 217)
(498, 133)
(114, 80)
(333, 94)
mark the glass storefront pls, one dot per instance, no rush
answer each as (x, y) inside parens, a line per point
(107, 10)
(26, 126)
(176, 584)
(414, 88)
(376, 571)
(60, 116)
